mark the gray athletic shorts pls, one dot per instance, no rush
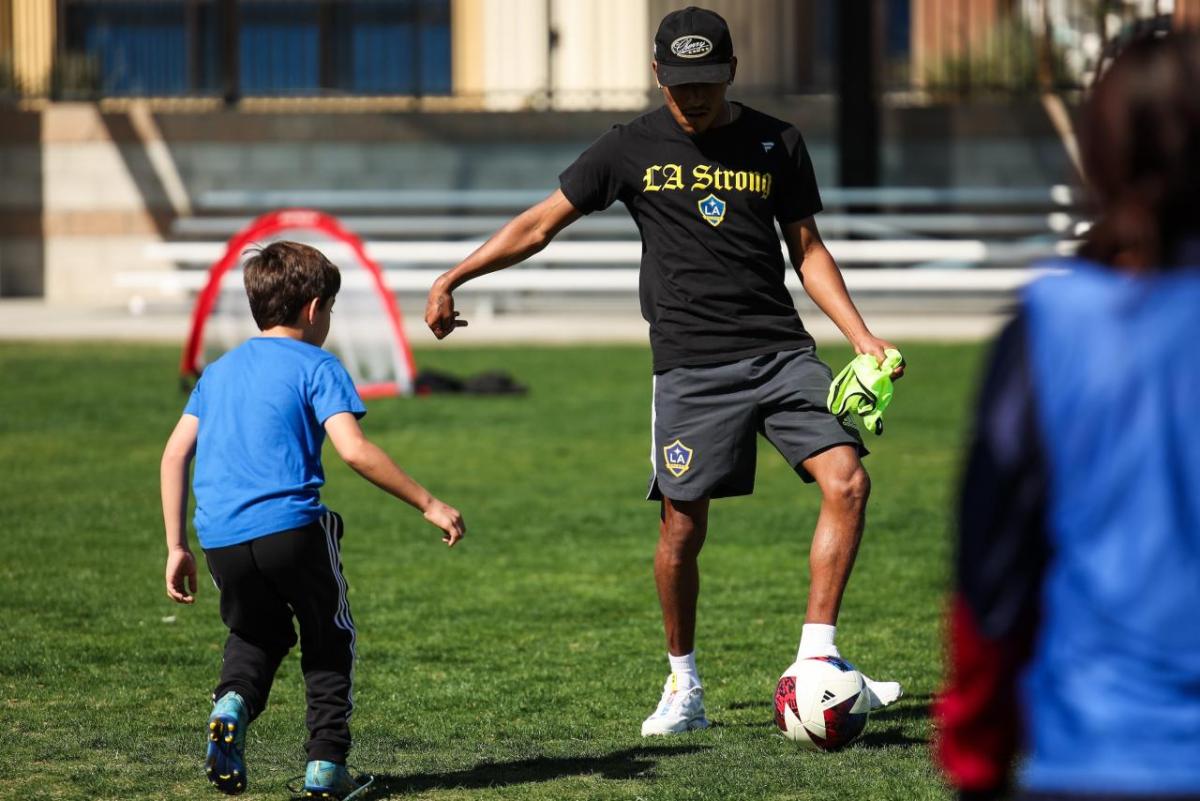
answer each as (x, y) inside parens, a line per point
(704, 422)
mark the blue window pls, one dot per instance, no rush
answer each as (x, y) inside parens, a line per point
(279, 48)
(394, 47)
(136, 48)
(897, 28)
(282, 47)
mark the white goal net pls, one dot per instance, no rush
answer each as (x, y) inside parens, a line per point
(366, 334)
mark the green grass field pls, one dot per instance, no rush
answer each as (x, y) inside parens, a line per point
(517, 666)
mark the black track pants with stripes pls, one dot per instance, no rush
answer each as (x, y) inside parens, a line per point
(266, 582)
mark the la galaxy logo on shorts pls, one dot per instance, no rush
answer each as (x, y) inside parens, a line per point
(712, 209)
(678, 458)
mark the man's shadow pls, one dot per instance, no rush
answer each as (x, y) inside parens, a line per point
(631, 763)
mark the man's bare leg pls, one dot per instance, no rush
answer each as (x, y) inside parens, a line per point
(845, 487)
(677, 574)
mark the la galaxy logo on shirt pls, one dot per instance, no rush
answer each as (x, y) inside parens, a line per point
(712, 209)
(678, 457)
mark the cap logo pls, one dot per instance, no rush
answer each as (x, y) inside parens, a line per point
(691, 46)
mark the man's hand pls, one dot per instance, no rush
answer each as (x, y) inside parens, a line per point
(440, 315)
(447, 519)
(520, 238)
(876, 346)
(181, 566)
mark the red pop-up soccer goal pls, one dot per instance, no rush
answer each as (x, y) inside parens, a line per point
(367, 334)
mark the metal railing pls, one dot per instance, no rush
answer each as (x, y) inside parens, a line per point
(88, 49)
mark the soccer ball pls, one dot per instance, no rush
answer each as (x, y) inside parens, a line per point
(821, 703)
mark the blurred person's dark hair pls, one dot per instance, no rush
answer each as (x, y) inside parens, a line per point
(1140, 142)
(283, 277)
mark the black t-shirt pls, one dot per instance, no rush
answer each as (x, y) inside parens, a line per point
(712, 272)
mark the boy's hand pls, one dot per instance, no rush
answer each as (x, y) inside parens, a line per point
(181, 565)
(448, 520)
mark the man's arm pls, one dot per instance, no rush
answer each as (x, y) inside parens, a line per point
(823, 282)
(520, 238)
(369, 461)
(173, 479)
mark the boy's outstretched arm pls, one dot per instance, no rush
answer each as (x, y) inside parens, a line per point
(369, 461)
(173, 476)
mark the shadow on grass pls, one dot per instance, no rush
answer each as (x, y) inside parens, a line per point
(908, 708)
(632, 763)
(887, 725)
(888, 738)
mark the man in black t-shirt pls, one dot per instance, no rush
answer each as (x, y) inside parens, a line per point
(706, 181)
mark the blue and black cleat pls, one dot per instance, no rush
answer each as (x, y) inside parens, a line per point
(330, 781)
(225, 762)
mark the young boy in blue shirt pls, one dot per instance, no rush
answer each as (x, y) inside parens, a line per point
(255, 424)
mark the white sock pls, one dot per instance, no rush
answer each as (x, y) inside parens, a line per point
(816, 639)
(684, 668)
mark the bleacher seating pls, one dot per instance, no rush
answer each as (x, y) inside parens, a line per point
(889, 240)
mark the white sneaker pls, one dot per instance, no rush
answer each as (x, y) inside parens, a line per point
(882, 693)
(678, 711)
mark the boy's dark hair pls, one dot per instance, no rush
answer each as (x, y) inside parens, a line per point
(283, 277)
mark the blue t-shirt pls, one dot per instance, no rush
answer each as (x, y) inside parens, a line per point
(1112, 694)
(262, 409)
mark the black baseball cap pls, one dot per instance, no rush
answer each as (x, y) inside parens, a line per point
(693, 46)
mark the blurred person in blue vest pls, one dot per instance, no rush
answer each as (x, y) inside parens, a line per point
(1075, 627)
